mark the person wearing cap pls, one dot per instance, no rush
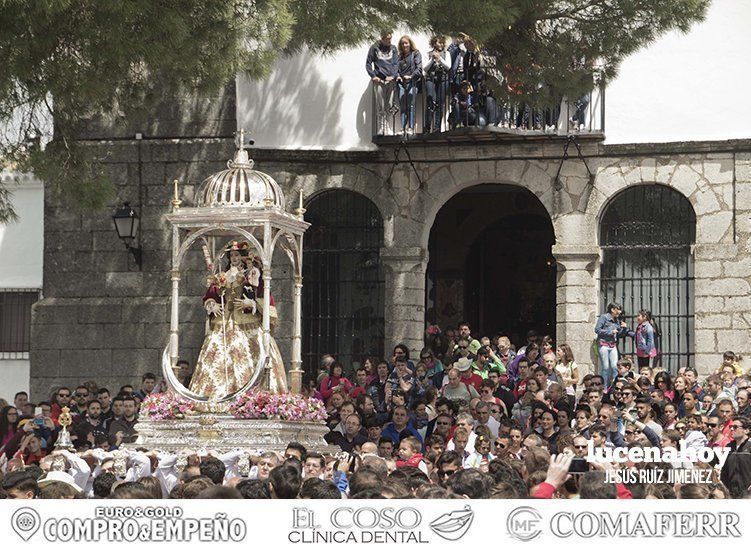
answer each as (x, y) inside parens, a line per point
(467, 374)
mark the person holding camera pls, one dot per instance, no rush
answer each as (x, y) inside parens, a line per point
(437, 70)
(403, 379)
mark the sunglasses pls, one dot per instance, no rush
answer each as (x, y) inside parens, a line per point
(63, 394)
(629, 432)
(580, 447)
(500, 445)
(736, 427)
(711, 425)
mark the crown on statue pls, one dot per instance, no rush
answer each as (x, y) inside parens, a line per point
(241, 246)
(65, 418)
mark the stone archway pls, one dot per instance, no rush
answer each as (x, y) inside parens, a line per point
(491, 263)
(343, 298)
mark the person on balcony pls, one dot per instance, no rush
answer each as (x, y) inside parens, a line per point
(463, 113)
(408, 80)
(382, 65)
(437, 69)
(456, 51)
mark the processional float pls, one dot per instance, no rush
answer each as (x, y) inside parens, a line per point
(246, 205)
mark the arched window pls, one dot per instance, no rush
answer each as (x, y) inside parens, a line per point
(646, 235)
(343, 300)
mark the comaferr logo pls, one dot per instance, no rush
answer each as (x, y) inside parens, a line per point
(646, 524)
(454, 525)
(524, 523)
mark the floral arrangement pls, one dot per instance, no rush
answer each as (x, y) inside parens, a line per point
(257, 404)
(218, 280)
(162, 406)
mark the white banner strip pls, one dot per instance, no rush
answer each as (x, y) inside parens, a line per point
(371, 522)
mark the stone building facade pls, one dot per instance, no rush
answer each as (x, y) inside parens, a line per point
(103, 318)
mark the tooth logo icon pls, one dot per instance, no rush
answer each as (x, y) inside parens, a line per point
(25, 522)
(454, 525)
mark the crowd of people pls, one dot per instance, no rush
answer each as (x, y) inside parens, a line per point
(455, 82)
(469, 417)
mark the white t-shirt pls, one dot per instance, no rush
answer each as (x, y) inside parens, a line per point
(567, 372)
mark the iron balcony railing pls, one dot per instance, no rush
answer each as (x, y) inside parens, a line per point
(426, 109)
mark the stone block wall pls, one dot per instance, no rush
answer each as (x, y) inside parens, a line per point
(102, 317)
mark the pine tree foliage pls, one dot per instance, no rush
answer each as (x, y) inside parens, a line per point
(73, 59)
(549, 48)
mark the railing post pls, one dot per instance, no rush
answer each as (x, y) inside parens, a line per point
(602, 103)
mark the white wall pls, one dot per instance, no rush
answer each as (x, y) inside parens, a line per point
(15, 374)
(312, 101)
(687, 86)
(683, 87)
(22, 242)
(21, 252)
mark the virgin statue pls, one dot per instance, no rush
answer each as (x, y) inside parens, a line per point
(235, 303)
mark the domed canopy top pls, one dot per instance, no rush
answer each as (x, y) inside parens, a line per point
(240, 186)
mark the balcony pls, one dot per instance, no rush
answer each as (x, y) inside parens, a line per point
(487, 120)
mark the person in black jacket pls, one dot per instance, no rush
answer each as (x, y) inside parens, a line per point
(736, 472)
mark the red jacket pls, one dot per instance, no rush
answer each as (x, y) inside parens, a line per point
(329, 382)
(474, 380)
(546, 491)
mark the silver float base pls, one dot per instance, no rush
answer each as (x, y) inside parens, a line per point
(224, 433)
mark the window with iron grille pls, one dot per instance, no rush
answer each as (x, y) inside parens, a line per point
(15, 322)
(343, 299)
(646, 235)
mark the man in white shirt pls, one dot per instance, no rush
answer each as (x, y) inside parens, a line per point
(483, 418)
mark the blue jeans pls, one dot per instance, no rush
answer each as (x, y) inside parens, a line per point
(608, 362)
(407, 94)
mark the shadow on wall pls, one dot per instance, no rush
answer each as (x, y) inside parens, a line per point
(168, 114)
(295, 106)
(365, 115)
